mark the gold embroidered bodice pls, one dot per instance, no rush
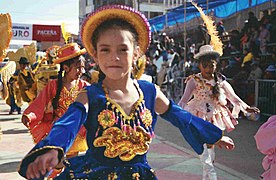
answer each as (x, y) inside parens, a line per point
(124, 135)
(65, 99)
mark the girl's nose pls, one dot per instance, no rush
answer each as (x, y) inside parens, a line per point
(115, 57)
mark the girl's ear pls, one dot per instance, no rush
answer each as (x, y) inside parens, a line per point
(94, 56)
(137, 53)
(66, 68)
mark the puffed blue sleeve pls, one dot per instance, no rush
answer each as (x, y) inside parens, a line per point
(61, 136)
(195, 130)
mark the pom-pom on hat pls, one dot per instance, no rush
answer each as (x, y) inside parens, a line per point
(130, 15)
(67, 52)
(206, 50)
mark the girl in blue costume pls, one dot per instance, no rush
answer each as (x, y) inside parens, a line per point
(118, 112)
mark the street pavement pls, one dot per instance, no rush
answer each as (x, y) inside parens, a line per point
(169, 160)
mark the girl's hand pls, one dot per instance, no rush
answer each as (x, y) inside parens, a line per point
(25, 121)
(42, 164)
(253, 110)
(226, 142)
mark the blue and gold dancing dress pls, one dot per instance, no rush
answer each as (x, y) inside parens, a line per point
(118, 142)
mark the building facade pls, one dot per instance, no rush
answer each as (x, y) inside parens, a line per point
(150, 8)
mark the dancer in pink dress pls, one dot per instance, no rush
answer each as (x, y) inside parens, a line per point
(206, 95)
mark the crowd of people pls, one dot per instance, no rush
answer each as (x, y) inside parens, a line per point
(247, 55)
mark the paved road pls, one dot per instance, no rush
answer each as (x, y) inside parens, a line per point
(245, 158)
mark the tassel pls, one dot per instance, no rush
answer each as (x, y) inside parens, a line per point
(97, 132)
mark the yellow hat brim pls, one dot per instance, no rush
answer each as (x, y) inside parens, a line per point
(135, 18)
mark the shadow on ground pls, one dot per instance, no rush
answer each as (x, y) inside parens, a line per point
(15, 131)
(9, 167)
(7, 119)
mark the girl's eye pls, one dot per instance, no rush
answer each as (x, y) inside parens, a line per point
(104, 50)
(124, 49)
(204, 65)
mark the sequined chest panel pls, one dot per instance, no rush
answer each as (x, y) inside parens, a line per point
(124, 136)
(203, 89)
(65, 99)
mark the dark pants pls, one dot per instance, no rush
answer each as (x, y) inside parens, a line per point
(14, 107)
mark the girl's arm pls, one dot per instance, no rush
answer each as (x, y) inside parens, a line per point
(195, 130)
(188, 93)
(33, 114)
(49, 152)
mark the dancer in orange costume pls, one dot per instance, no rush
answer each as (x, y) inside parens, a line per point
(58, 95)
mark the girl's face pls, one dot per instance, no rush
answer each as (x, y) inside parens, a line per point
(207, 68)
(115, 53)
(75, 70)
(24, 66)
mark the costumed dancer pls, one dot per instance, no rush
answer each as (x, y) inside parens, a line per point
(53, 101)
(6, 72)
(266, 143)
(210, 92)
(118, 112)
(9, 67)
(26, 81)
(46, 69)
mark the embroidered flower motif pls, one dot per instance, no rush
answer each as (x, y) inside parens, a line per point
(106, 118)
(125, 144)
(146, 118)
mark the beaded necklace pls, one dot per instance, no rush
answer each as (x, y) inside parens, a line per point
(114, 114)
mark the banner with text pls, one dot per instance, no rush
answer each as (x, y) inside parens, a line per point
(46, 32)
(22, 31)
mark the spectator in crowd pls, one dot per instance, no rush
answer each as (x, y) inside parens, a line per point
(232, 68)
(220, 28)
(235, 40)
(265, 20)
(264, 38)
(174, 58)
(253, 40)
(247, 57)
(252, 20)
(270, 72)
(256, 72)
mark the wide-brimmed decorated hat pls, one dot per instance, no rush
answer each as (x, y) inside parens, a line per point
(206, 50)
(67, 52)
(130, 15)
